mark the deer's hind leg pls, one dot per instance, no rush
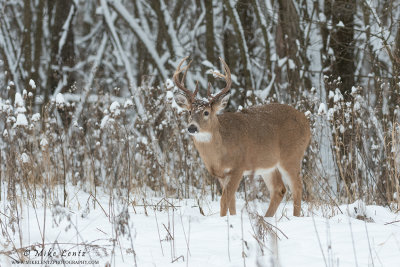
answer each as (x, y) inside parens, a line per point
(291, 173)
(276, 190)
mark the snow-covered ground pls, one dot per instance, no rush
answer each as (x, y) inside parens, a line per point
(171, 232)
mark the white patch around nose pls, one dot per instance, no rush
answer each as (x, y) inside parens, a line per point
(202, 137)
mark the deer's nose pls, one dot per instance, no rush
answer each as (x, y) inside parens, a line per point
(192, 128)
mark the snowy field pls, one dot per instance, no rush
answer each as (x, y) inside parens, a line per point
(171, 232)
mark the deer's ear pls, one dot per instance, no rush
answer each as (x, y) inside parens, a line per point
(182, 101)
(221, 103)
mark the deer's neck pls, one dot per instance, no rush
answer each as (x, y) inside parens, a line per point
(210, 150)
(208, 141)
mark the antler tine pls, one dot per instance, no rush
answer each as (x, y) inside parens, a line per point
(196, 90)
(209, 90)
(186, 70)
(180, 84)
(226, 77)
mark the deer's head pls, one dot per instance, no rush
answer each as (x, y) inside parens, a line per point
(203, 113)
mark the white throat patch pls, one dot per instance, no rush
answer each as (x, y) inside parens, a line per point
(202, 137)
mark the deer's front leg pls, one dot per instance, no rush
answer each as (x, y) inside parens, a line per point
(229, 184)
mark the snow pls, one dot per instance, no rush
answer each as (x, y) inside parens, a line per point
(340, 24)
(105, 121)
(169, 84)
(322, 17)
(128, 103)
(322, 109)
(143, 140)
(19, 101)
(36, 117)
(338, 96)
(172, 232)
(21, 120)
(292, 65)
(32, 84)
(24, 158)
(282, 61)
(342, 129)
(357, 106)
(115, 108)
(169, 96)
(44, 143)
(60, 101)
(207, 64)
(263, 94)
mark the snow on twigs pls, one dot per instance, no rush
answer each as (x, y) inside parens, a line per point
(115, 109)
(169, 84)
(322, 109)
(60, 101)
(19, 104)
(35, 117)
(44, 143)
(32, 84)
(340, 24)
(24, 158)
(20, 110)
(105, 121)
(128, 103)
(21, 120)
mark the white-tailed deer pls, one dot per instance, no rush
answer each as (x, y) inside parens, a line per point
(268, 140)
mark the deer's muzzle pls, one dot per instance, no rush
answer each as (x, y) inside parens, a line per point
(192, 129)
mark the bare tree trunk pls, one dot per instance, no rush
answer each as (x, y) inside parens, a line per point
(288, 38)
(64, 56)
(61, 51)
(26, 43)
(143, 58)
(243, 55)
(210, 42)
(376, 64)
(263, 26)
(246, 14)
(342, 43)
(38, 45)
(162, 36)
(395, 99)
(341, 74)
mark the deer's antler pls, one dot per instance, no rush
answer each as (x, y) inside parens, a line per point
(226, 77)
(181, 83)
(192, 96)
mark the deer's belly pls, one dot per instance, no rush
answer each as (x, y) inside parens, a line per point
(267, 171)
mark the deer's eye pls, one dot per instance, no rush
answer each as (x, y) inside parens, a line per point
(206, 113)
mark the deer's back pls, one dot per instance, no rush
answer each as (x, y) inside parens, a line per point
(265, 133)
